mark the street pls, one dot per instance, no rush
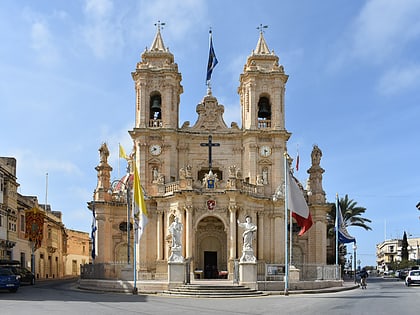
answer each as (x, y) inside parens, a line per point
(383, 296)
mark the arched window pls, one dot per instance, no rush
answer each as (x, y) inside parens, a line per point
(155, 106)
(264, 108)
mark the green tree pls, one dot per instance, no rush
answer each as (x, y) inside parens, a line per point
(404, 248)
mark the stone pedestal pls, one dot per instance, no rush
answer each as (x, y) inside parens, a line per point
(176, 255)
(294, 274)
(248, 274)
(248, 256)
(127, 273)
(176, 273)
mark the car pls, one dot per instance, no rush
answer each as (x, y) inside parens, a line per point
(8, 280)
(413, 277)
(25, 275)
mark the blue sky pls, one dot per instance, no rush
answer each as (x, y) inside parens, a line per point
(354, 90)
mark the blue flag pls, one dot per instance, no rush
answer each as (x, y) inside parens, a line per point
(343, 235)
(93, 233)
(212, 60)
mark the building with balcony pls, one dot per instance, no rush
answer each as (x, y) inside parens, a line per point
(389, 251)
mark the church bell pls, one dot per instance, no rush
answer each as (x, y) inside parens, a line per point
(155, 105)
(264, 110)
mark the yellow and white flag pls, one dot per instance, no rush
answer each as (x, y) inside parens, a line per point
(122, 152)
(139, 207)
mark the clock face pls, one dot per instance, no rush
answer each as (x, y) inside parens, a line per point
(155, 149)
(265, 151)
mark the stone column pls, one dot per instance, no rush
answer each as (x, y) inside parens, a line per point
(188, 231)
(260, 235)
(232, 234)
(159, 230)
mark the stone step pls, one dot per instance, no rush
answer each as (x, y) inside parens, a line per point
(213, 291)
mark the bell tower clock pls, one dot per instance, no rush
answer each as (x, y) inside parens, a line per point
(157, 83)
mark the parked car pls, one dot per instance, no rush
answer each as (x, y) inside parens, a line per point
(8, 280)
(25, 275)
(413, 277)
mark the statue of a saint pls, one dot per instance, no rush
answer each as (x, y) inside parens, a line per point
(176, 231)
(248, 234)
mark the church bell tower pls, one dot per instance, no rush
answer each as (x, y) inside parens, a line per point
(262, 90)
(158, 88)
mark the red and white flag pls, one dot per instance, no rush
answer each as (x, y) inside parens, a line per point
(297, 205)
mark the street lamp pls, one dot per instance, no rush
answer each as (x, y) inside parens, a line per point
(355, 260)
(127, 189)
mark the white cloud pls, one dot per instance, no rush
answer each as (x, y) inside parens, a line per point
(382, 31)
(383, 27)
(399, 78)
(99, 8)
(102, 32)
(42, 42)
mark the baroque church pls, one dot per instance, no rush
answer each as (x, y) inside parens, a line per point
(207, 174)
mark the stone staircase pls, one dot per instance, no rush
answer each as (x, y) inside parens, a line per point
(213, 291)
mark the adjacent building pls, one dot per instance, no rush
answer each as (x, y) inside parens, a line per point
(389, 251)
(33, 233)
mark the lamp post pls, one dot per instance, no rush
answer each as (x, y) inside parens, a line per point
(127, 193)
(355, 260)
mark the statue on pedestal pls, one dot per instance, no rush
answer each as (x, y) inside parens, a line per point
(175, 229)
(248, 236)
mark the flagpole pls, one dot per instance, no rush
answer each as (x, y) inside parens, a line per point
(46, 191)
(136, 228)
(337, 208)
(286, 262)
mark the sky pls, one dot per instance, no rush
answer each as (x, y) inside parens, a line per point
(353, 90)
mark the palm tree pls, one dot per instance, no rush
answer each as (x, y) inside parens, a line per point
(351, 217)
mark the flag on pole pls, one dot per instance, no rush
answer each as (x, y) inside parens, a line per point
(298, 205)
(140, 211)
(93, 232)
(297, 162)
(343, 235)
(123, 155)
(212, 59)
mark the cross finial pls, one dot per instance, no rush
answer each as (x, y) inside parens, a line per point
(261, 28)
(160, 25)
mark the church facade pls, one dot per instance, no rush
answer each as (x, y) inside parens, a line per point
(207, 174)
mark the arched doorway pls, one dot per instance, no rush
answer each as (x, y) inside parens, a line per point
(211, 247)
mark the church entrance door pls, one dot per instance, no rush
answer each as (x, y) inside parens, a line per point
(211, 247)
(210, 263)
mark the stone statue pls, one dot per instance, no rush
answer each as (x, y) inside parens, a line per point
(176, 231)
(248, 234)
(103, 153)
(155, 174)
(182, 173)
(316, 156)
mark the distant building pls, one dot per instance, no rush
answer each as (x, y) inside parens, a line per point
(77, 251)
(34, 234)
(389, 251)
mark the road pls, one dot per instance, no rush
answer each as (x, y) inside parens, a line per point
(383, 296)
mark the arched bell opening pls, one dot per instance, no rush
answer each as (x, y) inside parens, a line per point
(264, 108)
(155, 106)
